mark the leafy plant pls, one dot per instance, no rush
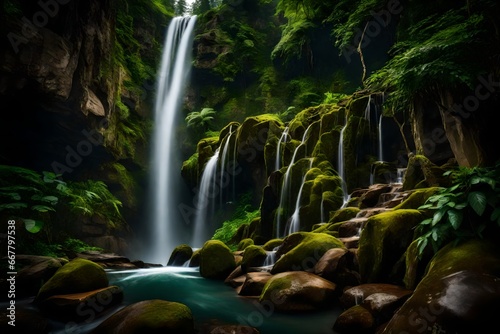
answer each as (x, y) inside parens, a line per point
(464, 210)
(200, 119)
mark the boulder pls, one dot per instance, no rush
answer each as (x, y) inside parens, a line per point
(83, 306)
(459, 294)
(149, 316)
(254, 283)
(384, 241)
(254, 256)
(216, 260)
(180, 255)
(78, 275)
(33, 273)
(356, 319)
(298, 291)
(302, 250)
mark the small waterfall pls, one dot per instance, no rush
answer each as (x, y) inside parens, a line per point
(400, 175)
(235, 164)
(286, 180)
(166, 162)
(341, 167)
(223, 174)
(270, 258)
(368, 111)
(380, 149)
(294, 225)
(322, 209)
(283, 139)
(206, 192)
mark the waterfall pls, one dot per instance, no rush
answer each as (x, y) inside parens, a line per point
(286, 180)
(340, 167)
(282, 139)
(174, 70)
(223, 173)
(380, 150)
(368, 111)
(322, 209)
(206, 192)
(294, 225)
(270, 258)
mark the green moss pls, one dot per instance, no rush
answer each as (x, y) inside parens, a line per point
(189, 170)
(417, 198)
(272, 244)
(180, 255)
(78, 275)
(245, 243)
(150, 316)
(383, 242)
(216, 260)
(302, 250)
(253, 256)
(422, 173)
(343, 214)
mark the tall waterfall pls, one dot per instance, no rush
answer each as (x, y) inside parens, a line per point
(283, 139)
(294, 225)
(224, 175)
(286, 182)
(166, 164)
(206, 194)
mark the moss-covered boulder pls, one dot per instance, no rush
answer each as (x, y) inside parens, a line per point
(195, 259)
(245, 243)
(78, 275)
(272, 244)
(253, 256)
(302, 250)
(343, 214)
(459, 294)
(180, 255)
(216, 260)
(383, 242)
(422, 173)
(149, 316)
(298, 291)
(189, 170)
(417, 198)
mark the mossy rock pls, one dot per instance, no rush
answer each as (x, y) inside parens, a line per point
(78, 275)
(383, 241)
(206, 149)
(149, 316)
(357, 106)
(180, 255)
(216, 260)
(301, 251)
(245, 243)
(272, 244)
(459, 293)
(343, 214)
(298, 291)
(417, 198)
(189, 170)
(195, 259)
(253, 256)
(422, 173)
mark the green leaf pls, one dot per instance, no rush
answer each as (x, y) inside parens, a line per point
(438, 215)
(495, 214)
(42, 208)
(33, 226)
(13, 206)
(12, 196)
(477, 201)
(455, 218)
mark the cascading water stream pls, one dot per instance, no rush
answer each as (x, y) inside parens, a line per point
(380, 148)
(286, 180)
(283, 139)
(206, 193)
(294, 225)
(223, 173)
(174, 70)
(340, 167)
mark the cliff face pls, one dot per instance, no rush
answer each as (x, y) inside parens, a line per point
(74, 102)
(52, 59)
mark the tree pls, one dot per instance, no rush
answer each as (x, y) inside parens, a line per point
(181, 7)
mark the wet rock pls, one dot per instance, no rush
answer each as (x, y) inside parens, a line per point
(356, 319)
(298, 291)
(254, 283)
(180, 255)
(149, 316)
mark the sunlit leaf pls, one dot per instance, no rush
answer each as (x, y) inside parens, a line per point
(33, 226)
